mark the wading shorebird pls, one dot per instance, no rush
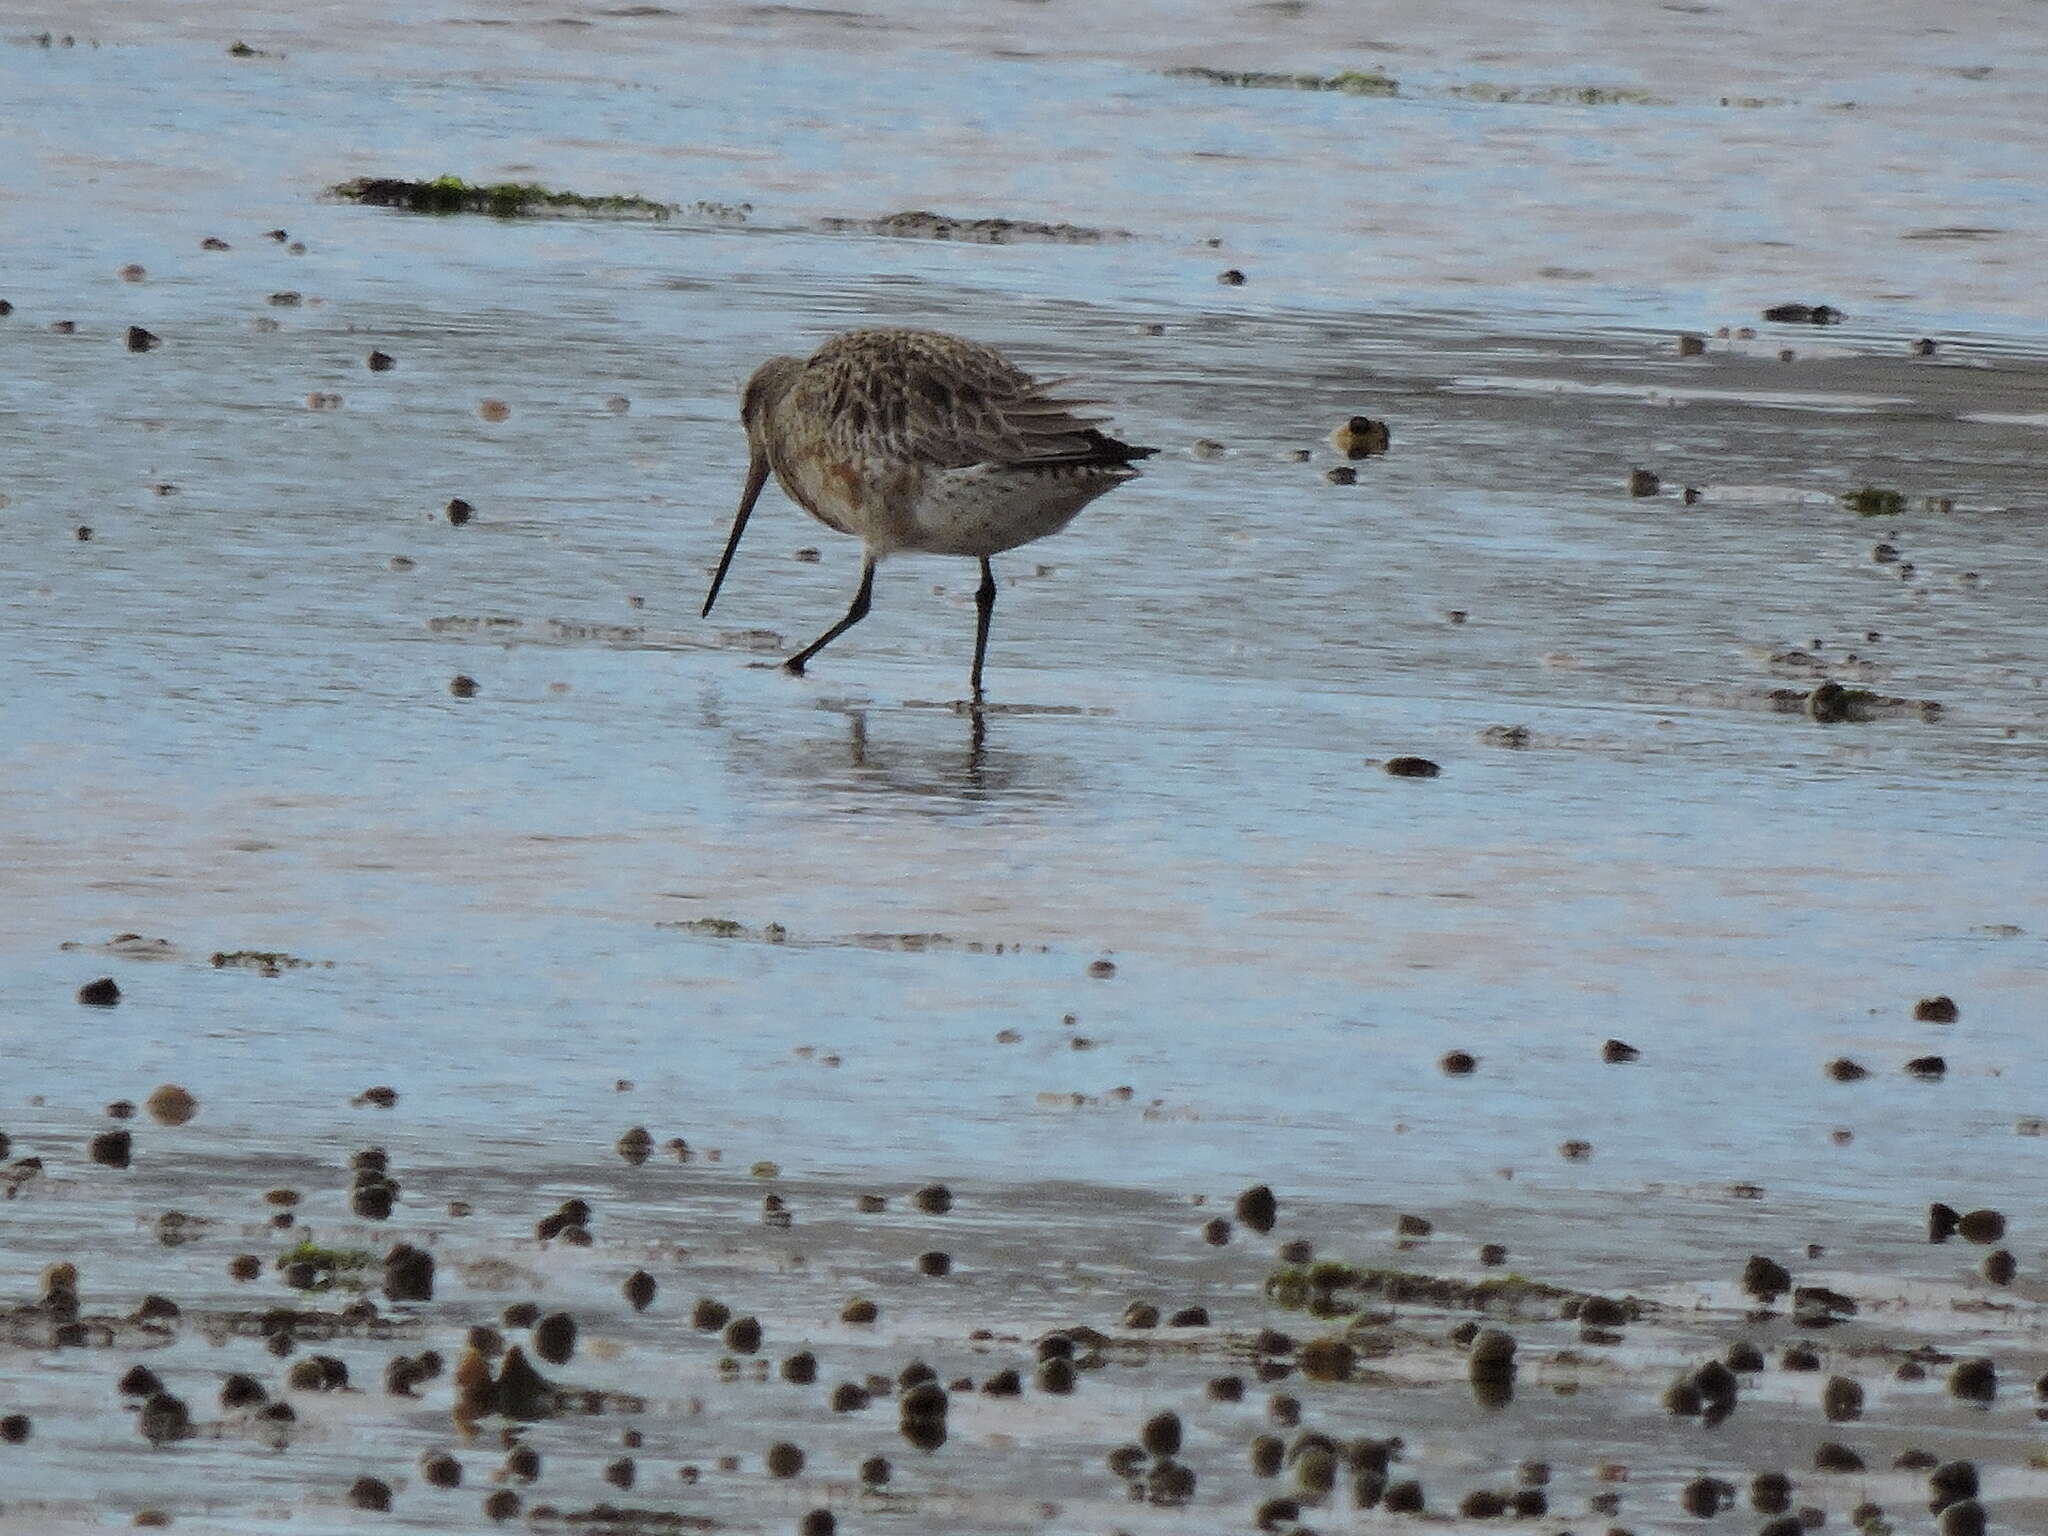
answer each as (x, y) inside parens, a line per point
(920, 441)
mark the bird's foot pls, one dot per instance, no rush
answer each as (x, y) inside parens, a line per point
(794, 666)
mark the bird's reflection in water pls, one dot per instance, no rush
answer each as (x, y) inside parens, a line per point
(961, 773)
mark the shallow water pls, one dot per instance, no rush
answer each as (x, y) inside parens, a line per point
(228, 724)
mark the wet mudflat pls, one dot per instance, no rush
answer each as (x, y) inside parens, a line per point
(475, 808)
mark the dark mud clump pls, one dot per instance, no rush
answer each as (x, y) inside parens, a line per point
(1804, 314)
(1412, 768)
(920, 224)
(501, 200)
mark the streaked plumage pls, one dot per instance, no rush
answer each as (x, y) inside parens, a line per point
(920, 441)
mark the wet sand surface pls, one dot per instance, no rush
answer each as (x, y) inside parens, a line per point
(1158, 925)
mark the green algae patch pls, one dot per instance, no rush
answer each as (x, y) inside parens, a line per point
(267, 962)
(1874, 501)
(500, 200)
(329, 1265)
(1329, 1290)
(1347, 82)
(1560, 95)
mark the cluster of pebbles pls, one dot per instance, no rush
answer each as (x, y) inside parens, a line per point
(747, 1380)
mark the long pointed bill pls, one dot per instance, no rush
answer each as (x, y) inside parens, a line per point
(757, 476)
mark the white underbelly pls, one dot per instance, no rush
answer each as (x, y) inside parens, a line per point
(987, 508)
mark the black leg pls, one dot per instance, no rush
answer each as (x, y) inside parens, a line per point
(984, 608)
(854, 615)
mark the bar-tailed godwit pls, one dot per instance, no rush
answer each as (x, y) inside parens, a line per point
(920, 441)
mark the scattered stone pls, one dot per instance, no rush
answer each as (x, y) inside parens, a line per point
(1984, 1226)
(140, 340)
(111, 1149)
(1690, 345)
(1841, 1400)
(1942, 1221)
(742, 1336)
(859, 1310)
(1361, 437)
(933, 1199)
(171, 1105)
(440, 1470)
(1927, 1068)
(1842, 1069)
(554, 1338)
(1705, 1497)
(2000, 1267)
(1643, 482)
(459, 511)
(1951, 1483)
(409, 1274)
(1974, 1381)
(783, 1459)
(639, 1290)
(1834, 1457)
(1230, 277)
(1458, 1063)
(1328, 1359)
(102, 993)
(1341, 474)
(1216, 1231)
(371, 1493)
(1403, 1498)
(934, 1264)
(1765, 1278)
(1412, 768)
(1936, 1010)
(1258, 1209)
(380, 362)
(1161, 1435)
(1616, 1051)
